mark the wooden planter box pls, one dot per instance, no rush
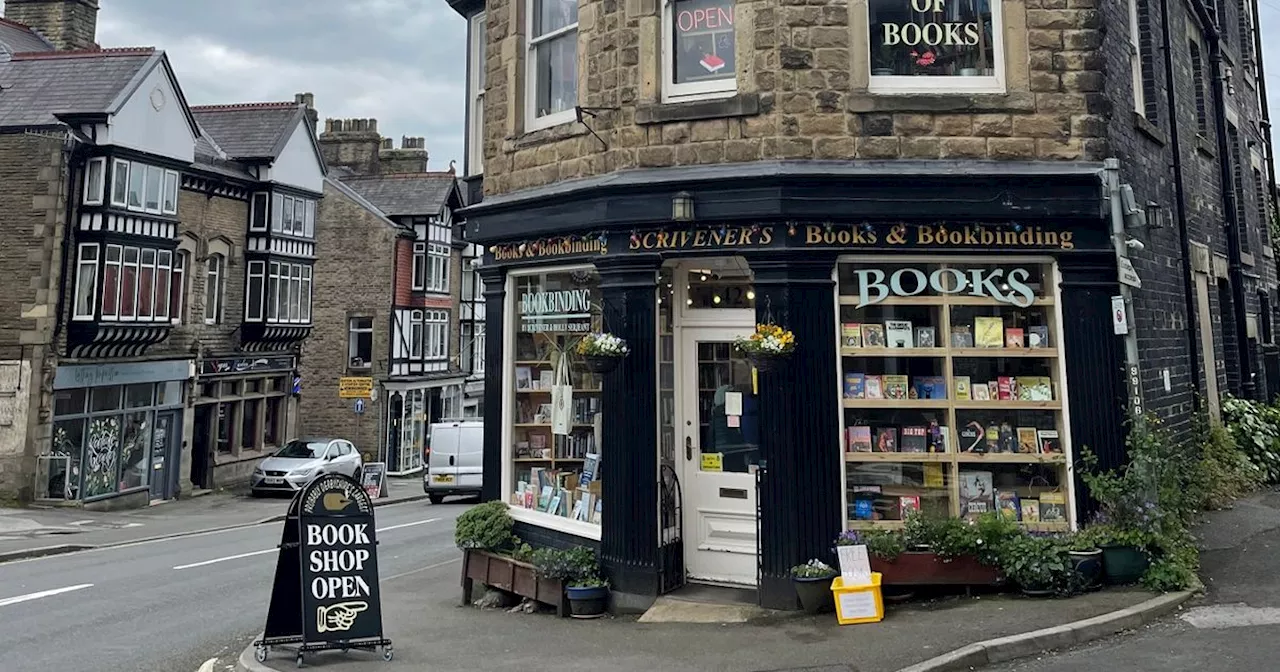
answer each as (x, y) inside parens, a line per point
(513, 576)
(925, 569)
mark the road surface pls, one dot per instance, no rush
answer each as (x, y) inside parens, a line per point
(169, 605)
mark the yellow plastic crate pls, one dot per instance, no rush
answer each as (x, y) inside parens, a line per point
(858, 604)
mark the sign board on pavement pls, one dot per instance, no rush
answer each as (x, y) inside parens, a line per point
(374, 478)
(354, 387)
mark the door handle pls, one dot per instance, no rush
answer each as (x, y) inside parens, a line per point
(451, 460)
(688, 447)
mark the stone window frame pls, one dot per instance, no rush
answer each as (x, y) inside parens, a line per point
(1198, 82)
(272, 389)
(680, 93)
(477, 27)
(1136, 58)
(996, 83)
(95, 173)
(215, 287)
(533, 122)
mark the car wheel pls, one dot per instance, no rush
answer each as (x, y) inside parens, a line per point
(435, 499)
(357, 475)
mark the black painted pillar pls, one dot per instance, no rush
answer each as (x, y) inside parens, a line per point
(800, 421)
(629, 429)
(495, 305)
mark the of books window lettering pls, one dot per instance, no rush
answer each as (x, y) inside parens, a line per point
(703, 38)
(954, 393)
(556, 450)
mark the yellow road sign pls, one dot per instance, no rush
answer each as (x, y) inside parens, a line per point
(355, 388)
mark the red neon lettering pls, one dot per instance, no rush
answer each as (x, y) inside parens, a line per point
(704, 19)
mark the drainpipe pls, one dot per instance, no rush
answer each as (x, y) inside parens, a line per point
(1180, 198)
(1235, 228)
(1132, 373)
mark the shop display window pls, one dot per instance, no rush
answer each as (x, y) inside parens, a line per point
(556, 454)
(953, 391)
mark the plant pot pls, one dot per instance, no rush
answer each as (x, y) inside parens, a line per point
(764, 362)
(882, 72)
(1123, 565)
(815, 594)
(927, 569)
(988, 72)
(600, 363)
(968, 72)
(1088, 565)
(587, 602)
(1037, 592)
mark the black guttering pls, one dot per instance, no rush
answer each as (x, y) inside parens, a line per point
(1235, 228)
(1184, 235)
(796, 189)
(466, 8)
(1269, 155)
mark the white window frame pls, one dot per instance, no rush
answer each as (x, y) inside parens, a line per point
(259, 223)
(137, 171)
(256, 269)
(352, 332)
(532, 122)
(295, 293)
(438, 258)
(125, 265)
(309, 226)
(909, 85)
(419, 267)
(178, 284)
(277, 213)
(271, 308)
(150, 299)
(84, 262)
(1135, 61)
(477, 348)
(158, 174)
(213, 277)
(120, 180)
(119, 266)
(286, 216)
(299, 216)
(164, 262)
(169, 193)
(673, 92)
(416, 334)
(305, 316)
(94, 186)
(436, 328)
(476, 85)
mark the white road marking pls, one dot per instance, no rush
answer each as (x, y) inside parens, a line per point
(421, 569)
(273, 550)
(229, 557)
(208, 665)
(44, 593)
(1231, 616)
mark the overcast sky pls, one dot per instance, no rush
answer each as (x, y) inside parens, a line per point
(399, 61)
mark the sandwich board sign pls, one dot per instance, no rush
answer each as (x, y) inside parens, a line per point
(325, 594)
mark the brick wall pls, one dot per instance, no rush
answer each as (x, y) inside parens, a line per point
(356, 278)
(33, 226)
(807, 66)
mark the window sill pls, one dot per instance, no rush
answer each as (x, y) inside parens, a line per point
(558, 523)
(946, 102)
(1149, 129)
(740, 105)
(1247, 259)
(1204, 146)
(569, 129)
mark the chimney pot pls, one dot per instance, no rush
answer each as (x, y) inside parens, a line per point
(386, 143)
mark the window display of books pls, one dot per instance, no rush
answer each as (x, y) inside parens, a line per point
(968, 384)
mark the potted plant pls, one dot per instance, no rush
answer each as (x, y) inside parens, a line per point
(886, 55)
(1039, 565)
(601, 352)
(1086, 559)
(579, 571)
(766, 345)
(934, 551)
(493, 556)
(1127, 517)
(1125, 553)
(813, 584)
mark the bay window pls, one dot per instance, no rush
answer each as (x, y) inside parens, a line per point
(282, 293)
(277, 212)
(94, 174)
(698, 49)
(552, 89)
(309, 224)
(438, 267)
(436, 326)
(287, 217)
(415, 334)
(170, 204)
(304, 299)
(129, 284)
(86, 282)
(253, 291)
(177, 297)
(935, 46)
(419, 266)
(111, 282)
(120, 183)
(164, 276)
(146, 283)
(155, 184)
(136, 186)
(291, 215)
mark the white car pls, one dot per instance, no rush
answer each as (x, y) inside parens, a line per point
(301, 460)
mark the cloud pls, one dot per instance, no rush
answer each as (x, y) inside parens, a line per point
(401, 62)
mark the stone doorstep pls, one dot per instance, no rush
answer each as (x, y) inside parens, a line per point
(674, 610)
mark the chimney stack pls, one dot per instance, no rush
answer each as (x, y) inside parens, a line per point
(410, 158)
(352, 144)
(309, 100)
(69, 24)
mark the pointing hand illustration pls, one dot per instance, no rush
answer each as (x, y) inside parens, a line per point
(338, 617)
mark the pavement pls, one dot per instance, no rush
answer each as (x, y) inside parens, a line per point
(175, 603)
(33, 531)
(1234, 626)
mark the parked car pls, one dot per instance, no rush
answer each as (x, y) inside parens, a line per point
(455, 460)
(301, 460)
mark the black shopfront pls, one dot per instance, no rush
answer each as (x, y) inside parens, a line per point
(919, 294)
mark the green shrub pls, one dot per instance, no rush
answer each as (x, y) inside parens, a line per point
(484, 526)
(1256, 430)
(1226, 472)
(1039, 562)
(568, 565)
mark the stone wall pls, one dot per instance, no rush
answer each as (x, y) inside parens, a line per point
(210, 225)
(68, 24)
(802, 94)
(355, 280)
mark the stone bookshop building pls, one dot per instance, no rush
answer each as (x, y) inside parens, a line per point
(984, 258)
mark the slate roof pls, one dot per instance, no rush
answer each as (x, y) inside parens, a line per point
(16, 38)
(410, 194)
(37, 86)
(359, 200)
(250, 130)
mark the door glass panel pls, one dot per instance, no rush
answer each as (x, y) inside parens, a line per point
(727, 412)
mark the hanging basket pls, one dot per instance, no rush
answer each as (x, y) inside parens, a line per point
(600, 363)
(763, 362)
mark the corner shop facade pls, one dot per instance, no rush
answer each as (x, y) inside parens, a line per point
(710, 471)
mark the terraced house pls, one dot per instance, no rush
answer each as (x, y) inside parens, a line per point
(994, 229)
(159, 269)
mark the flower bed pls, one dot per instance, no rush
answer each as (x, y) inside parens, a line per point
(915, 568)
(506, 573)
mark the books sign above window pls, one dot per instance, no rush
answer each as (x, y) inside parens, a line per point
(935, 46)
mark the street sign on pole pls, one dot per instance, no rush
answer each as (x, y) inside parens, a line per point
(359, 407)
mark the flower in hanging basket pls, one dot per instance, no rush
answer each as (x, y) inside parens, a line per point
(602, 345)
(768, 340)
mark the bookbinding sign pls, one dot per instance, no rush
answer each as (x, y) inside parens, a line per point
(325, 594)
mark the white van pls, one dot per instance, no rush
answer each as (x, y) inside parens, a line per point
(455, 463)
